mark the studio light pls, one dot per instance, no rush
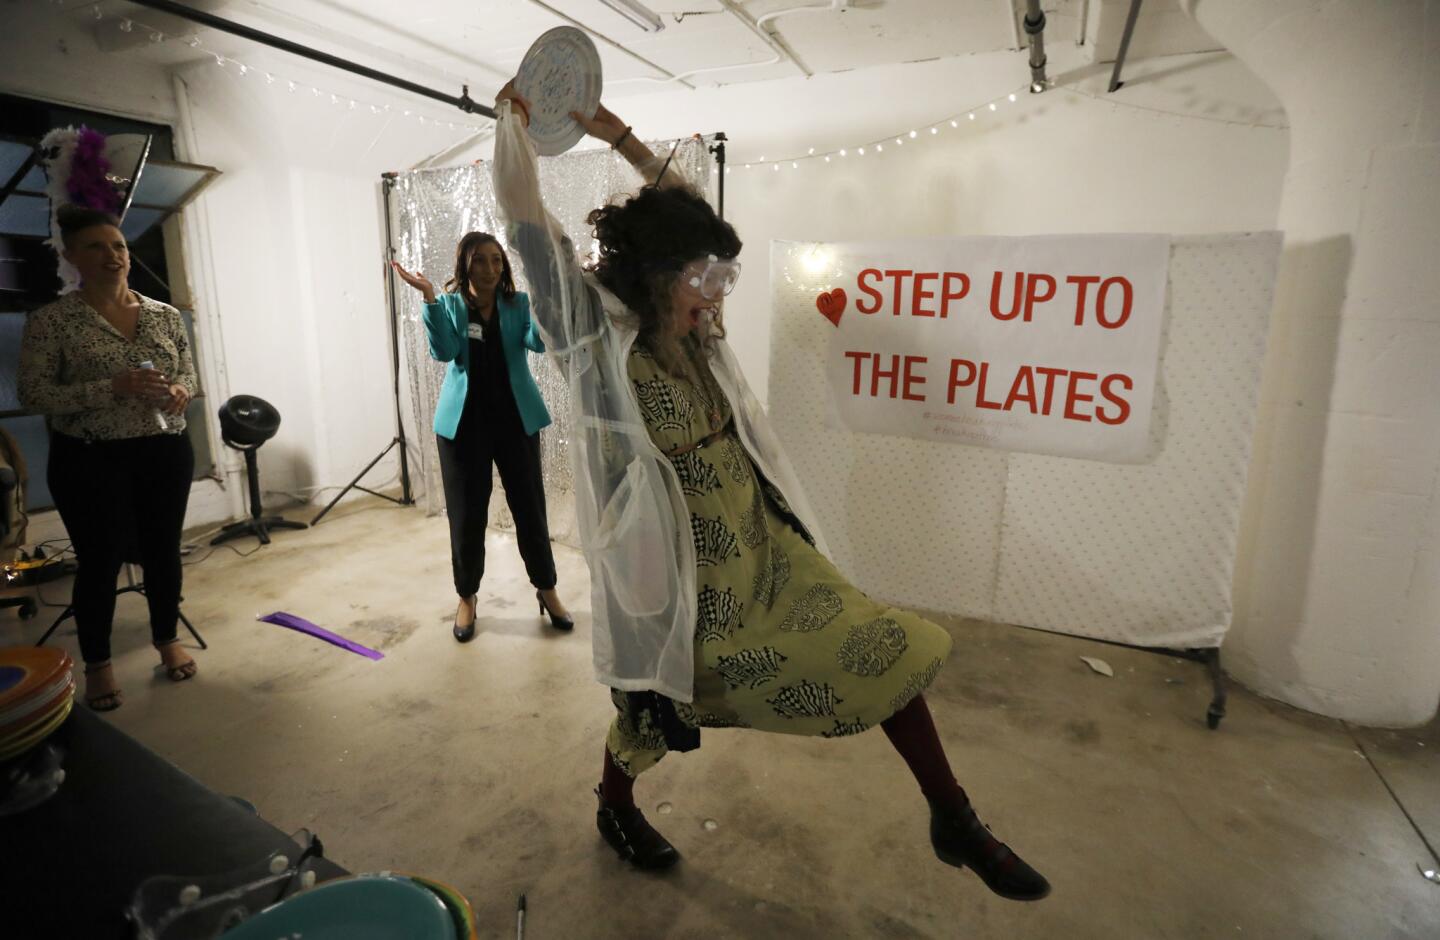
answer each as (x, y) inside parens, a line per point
(637, 13)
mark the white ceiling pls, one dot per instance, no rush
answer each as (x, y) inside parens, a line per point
(443, 43)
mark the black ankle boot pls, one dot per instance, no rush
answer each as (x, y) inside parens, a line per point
(634, 839)
(962, 840)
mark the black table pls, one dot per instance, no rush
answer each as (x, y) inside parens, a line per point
(71, 865)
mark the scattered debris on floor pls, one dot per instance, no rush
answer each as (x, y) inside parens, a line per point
(1099, 665)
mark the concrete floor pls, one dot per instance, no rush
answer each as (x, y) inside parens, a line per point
(474, 764)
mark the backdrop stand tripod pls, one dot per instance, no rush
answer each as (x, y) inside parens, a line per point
(406, 498)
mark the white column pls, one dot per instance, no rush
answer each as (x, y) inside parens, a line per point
(1338, 580)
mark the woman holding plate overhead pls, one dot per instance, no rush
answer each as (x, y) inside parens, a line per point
(713, 601)
(489, 413)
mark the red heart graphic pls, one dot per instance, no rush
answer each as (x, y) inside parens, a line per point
(832, 304)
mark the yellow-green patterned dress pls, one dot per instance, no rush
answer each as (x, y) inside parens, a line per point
(782, 641)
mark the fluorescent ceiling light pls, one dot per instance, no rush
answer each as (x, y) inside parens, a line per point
(637, 13)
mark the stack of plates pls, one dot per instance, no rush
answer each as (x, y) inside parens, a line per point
(461, 913)
(37, 692)
(366, 906)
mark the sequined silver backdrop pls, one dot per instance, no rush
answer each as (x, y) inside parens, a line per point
(430, 211)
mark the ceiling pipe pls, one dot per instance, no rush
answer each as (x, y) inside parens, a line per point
(770, 38)
(834, 6)
(1035, 30)
(1130, 18)
(1014, 16)
(463, 101)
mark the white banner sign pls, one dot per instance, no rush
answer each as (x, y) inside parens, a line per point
(1045, 344)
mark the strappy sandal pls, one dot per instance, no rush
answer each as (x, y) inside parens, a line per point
(180, 671)
(105, 701)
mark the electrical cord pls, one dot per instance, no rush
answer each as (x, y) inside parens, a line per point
(215, 548)
(58, 557)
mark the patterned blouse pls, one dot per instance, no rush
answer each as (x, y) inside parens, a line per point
(70, 353)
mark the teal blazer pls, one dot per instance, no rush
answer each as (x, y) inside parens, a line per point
(447, 324)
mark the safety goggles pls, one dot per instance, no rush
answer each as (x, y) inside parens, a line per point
(713, 278)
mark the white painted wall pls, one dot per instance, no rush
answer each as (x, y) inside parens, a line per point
(1338, 589)
(46, 56)
(296, 249)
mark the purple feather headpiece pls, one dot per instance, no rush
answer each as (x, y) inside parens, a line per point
(88, 185)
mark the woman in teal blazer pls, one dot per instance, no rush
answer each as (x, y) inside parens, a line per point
(489, 413)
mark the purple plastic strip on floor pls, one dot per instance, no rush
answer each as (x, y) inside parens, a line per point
(300, 624)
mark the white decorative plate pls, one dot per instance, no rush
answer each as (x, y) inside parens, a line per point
(559, 74)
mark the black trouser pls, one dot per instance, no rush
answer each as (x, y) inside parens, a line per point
(122, 501)
(465, 471)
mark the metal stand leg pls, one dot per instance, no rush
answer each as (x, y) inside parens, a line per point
(65, 615)
(69, 612)
(1216, 711)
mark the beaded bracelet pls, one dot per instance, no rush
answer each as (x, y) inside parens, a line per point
(620, 140)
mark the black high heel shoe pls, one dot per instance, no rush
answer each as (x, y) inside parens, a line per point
(633, 838)
(961, 839)
(556, 621)
(467, 633)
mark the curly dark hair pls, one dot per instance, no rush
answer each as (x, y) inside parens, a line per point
(72, 220)
(644, 243)
(464, 252)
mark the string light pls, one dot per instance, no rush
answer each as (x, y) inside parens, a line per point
(126, 26)
(879, 146)
(193, 42)
(974, 114)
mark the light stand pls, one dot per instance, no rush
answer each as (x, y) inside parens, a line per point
(718, 149)
(387, 182)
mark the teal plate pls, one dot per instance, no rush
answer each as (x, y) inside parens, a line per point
(370, 907)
